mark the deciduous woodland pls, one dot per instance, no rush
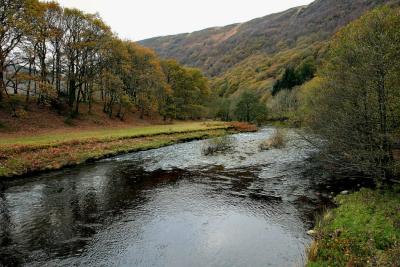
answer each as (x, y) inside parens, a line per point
(64, 57)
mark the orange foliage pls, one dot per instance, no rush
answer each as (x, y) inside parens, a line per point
(243, 126)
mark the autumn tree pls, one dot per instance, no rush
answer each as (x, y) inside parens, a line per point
(13, 20)
(357, 107)
(250, 109)
(64, 57)
(148, 86)
(190, 90)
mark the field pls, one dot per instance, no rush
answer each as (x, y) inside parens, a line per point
(22, 155)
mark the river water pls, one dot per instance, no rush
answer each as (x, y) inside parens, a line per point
(171, 206)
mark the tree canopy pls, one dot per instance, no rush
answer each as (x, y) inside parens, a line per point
(357, 105)
(64, 57)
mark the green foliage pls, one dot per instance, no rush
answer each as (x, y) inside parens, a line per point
(362, 231)
(259, 72)
(308, 100)
(293, 77)
(284, 105)
(190, 92)
(224, 109)
(250, 109)
(358, 103)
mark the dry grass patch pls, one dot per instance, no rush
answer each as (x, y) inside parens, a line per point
(243, 126)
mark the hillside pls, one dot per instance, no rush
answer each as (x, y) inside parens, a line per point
(251, 54)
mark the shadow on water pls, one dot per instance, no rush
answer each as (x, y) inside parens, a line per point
(171, 206)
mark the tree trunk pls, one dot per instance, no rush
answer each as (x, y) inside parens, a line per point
(71, 93)
(78, 100)
(16, 86)
(2, 84)
(58, 71)
(28, 89)
(141, 112)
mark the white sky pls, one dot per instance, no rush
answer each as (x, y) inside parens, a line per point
(141, 19)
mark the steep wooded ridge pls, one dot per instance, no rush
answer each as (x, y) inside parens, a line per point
(252, 54)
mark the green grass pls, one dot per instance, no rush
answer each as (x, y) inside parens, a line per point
(26, 154)
(112, 134)
(363, 231)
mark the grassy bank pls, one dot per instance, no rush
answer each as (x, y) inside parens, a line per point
(364, 230)
(28, 154)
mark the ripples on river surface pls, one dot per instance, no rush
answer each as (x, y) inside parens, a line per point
(171, 206)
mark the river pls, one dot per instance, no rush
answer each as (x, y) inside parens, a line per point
(171, 206)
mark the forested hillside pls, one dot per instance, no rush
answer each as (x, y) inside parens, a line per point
(252, 55)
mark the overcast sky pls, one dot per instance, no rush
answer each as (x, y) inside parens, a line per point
(140, 19)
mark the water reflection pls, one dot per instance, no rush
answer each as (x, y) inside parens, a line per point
(166, 207)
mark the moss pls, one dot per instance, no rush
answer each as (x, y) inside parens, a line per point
(363, 231)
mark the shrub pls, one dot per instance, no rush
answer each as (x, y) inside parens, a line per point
(356, 109)
(276, 141)
(218, 145)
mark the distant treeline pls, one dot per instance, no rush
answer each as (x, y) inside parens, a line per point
(64, 57)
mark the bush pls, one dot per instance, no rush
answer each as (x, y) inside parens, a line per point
(276, 141)
(356, 109)
(218, 145)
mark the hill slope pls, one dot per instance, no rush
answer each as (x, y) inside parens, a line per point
(252, 54)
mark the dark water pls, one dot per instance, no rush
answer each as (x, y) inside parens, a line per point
(165, 207)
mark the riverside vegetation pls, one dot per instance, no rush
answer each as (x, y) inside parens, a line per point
(363, 231)
(357, 112)
(338, 80)
(25, 155)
